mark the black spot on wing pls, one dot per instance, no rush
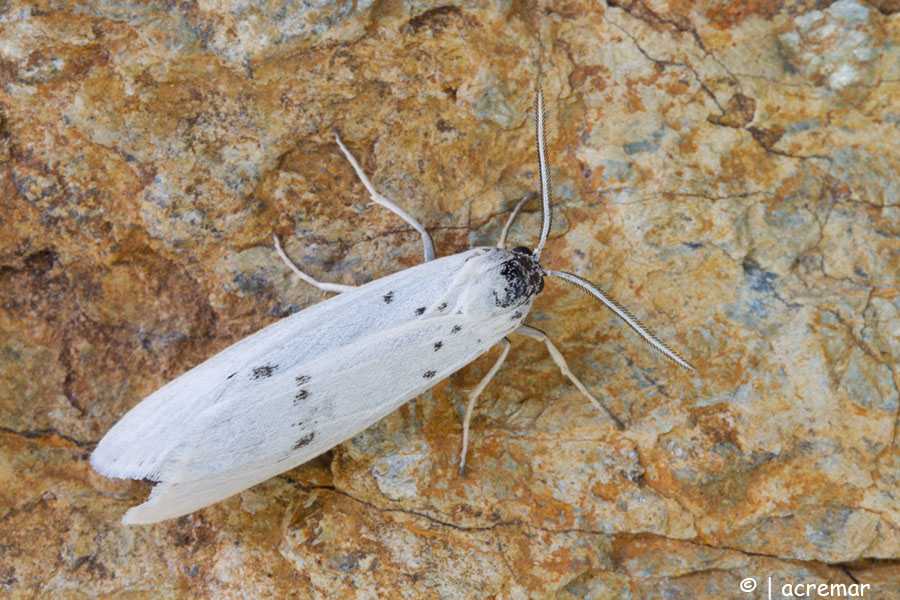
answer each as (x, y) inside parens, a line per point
(300, 396)
(516, 315)
(263, 371)
(306, 439)
(232, 375)
(442, 306)
(438, 346)
(301, 379)
(456, 329)
(388, 298)
(429, 374)
(420, 310)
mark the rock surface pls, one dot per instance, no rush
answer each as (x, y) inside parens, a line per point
(729, 171)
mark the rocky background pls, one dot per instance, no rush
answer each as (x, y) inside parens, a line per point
(728, 170)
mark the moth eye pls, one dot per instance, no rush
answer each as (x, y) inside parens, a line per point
(522, 250)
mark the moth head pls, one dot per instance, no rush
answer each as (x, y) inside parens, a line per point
(520, 278)
(501, 281)
(531, 267)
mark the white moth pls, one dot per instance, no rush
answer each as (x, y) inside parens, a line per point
(306, 383)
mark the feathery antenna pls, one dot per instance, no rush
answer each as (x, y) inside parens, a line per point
(544, 171)
(623, 314)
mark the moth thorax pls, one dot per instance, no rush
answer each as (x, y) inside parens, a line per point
(499, 282)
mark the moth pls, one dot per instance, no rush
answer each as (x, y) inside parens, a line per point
(310, 381)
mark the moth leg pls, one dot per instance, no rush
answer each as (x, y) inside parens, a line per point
(379, 199)
(326, 287)
(512, 217)
(561, 363)
(473, 395)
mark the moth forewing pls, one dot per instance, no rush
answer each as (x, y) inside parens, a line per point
(304, 384)
(140, 440)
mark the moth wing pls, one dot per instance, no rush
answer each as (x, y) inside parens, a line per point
(136, 446)
(300, 413)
